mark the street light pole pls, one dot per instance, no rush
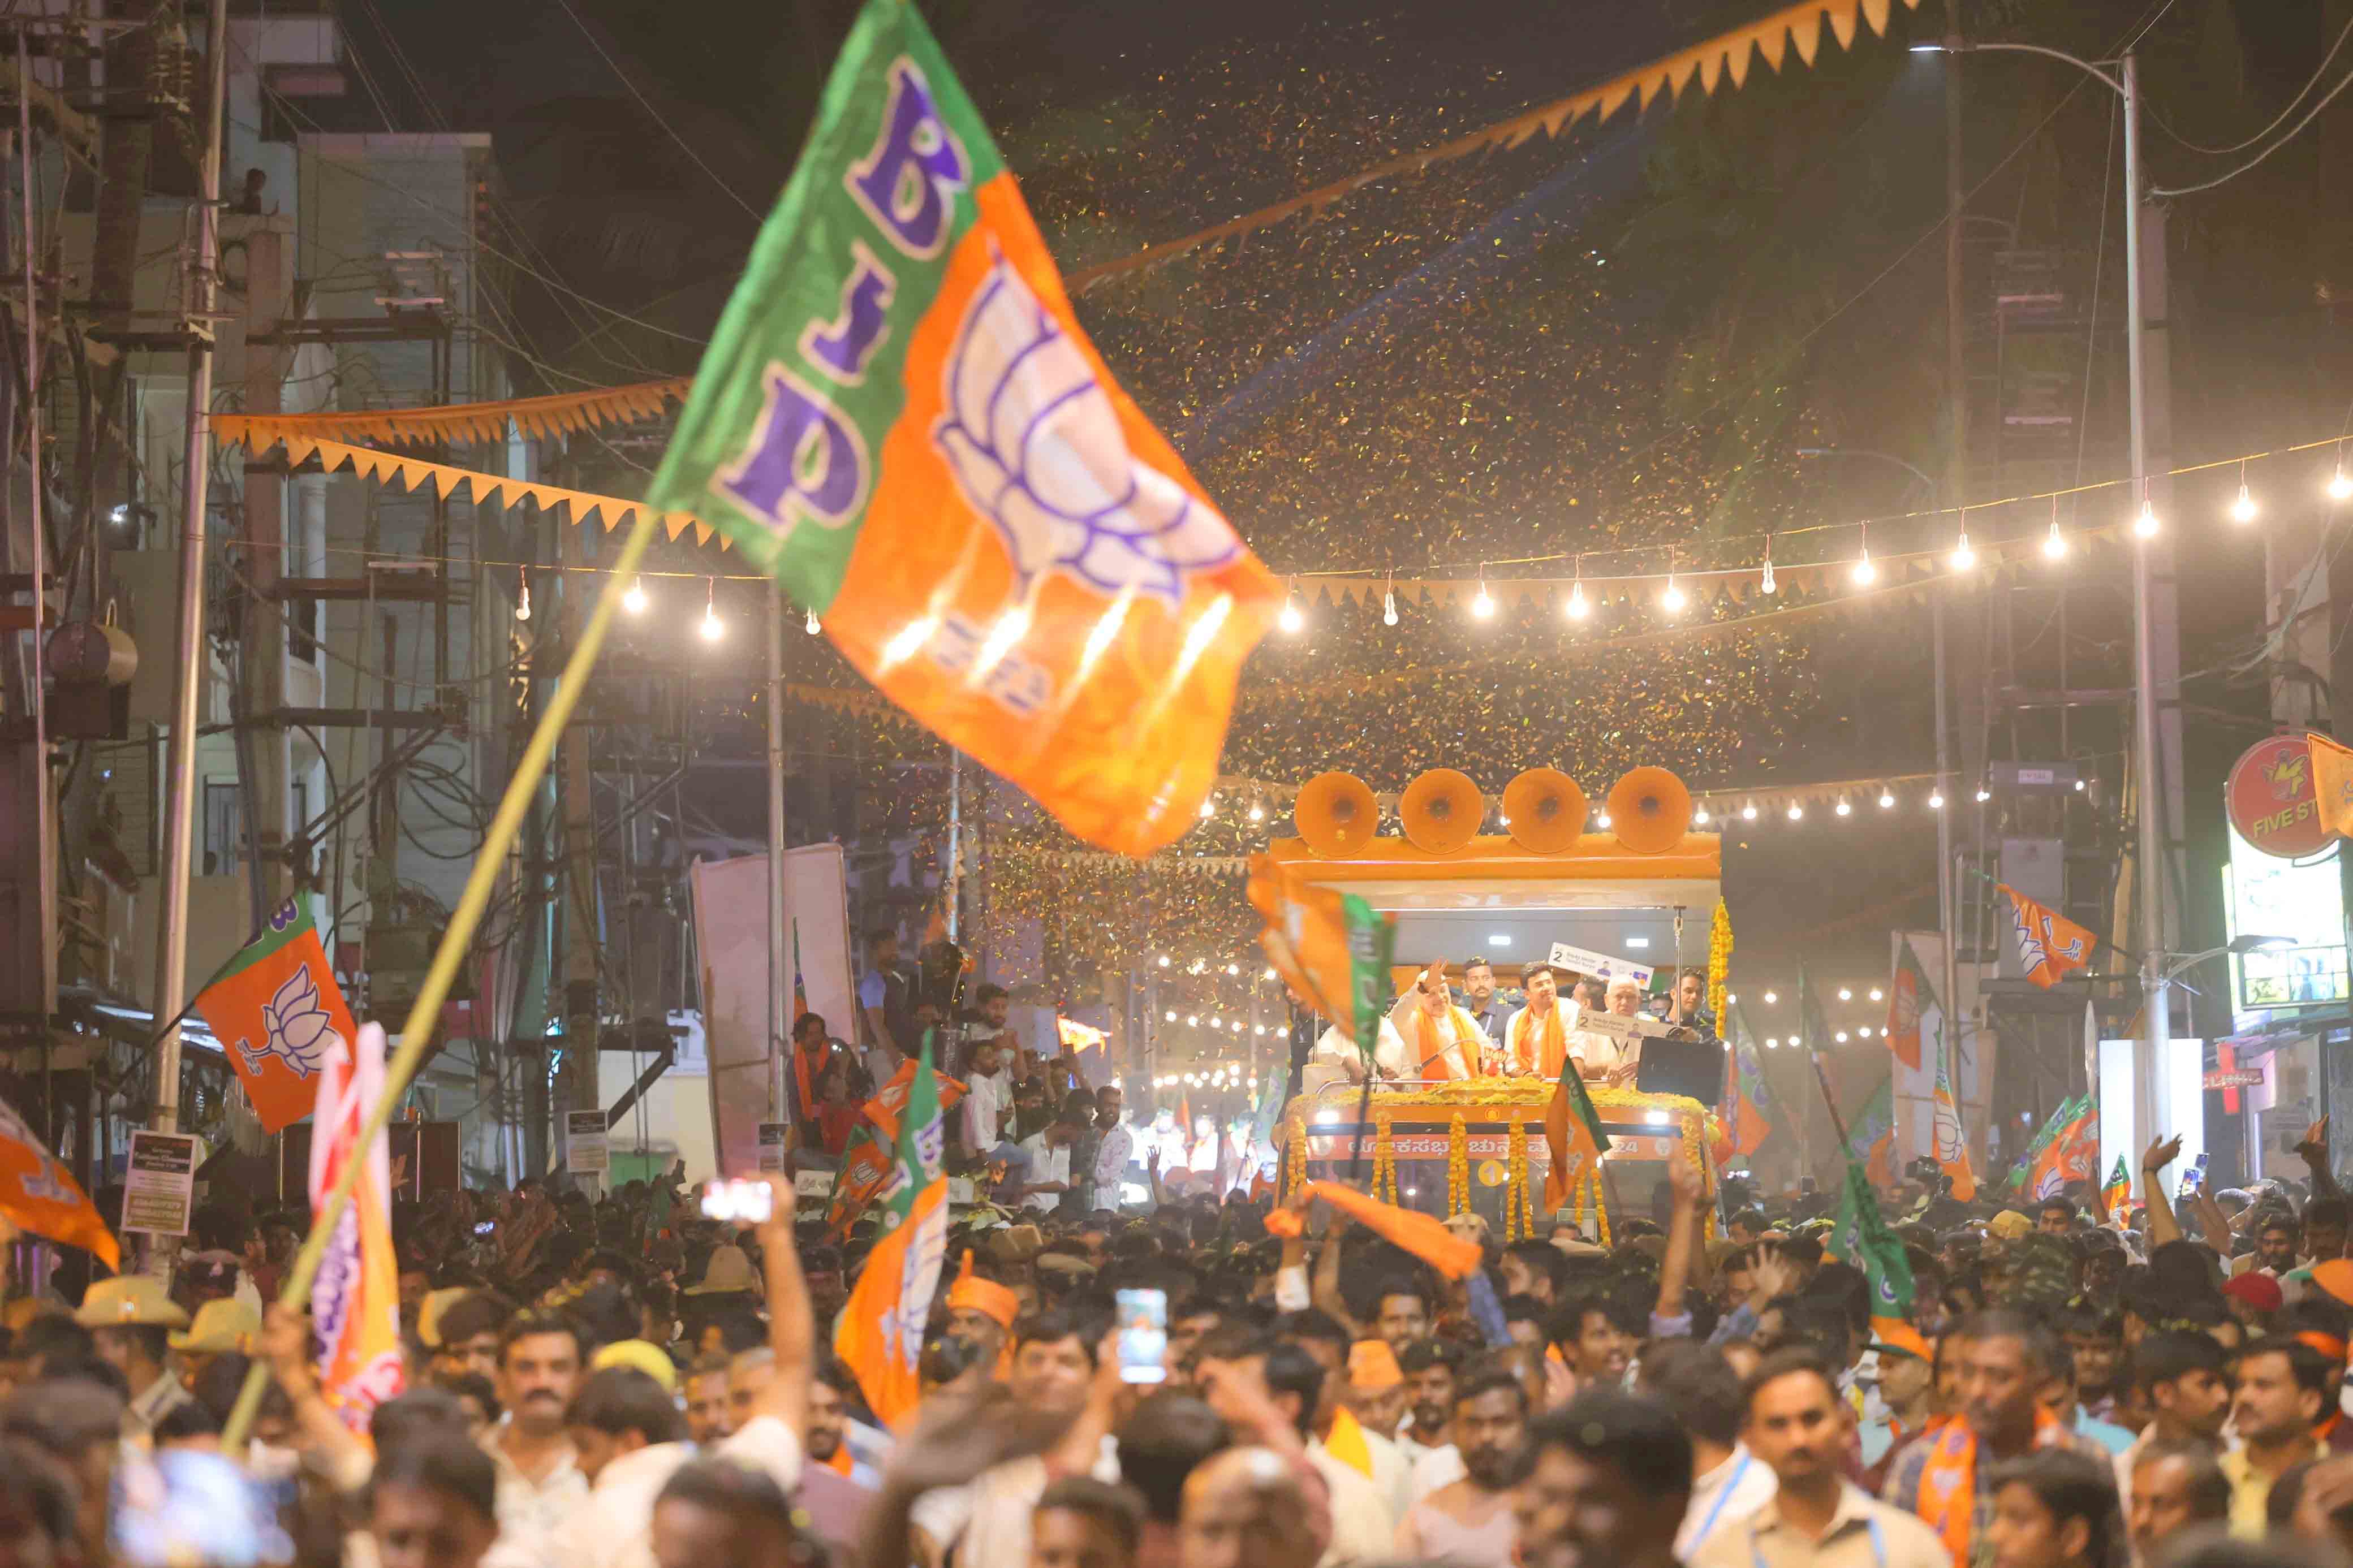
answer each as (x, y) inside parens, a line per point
(2147, 791)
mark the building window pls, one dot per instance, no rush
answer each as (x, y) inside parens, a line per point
(224, 828)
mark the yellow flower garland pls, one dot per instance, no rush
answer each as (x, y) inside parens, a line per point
(1458, 1167)
(1385, 1176)
(1719, 963)
(1519, 1208)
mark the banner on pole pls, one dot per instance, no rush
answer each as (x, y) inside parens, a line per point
(355, 1300)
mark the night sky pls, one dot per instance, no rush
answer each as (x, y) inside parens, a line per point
(1444, 372)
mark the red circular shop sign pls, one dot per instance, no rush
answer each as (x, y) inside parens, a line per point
(2271, 799)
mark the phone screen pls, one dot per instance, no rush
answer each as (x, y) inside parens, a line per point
(747, 1202)
(1142, 1335)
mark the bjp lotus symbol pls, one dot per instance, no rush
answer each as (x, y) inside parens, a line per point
(298, 1030)
(1037, 448)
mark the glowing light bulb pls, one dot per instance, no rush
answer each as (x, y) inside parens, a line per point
(2340, 483)
(1233, 969)
(1700, 815)
(1936, 800)
(1577, 608)
(2054, 543)
(523, 597)
(1984, 795)
(1764, 583)
(1602, 821)
(1748, 812)
(1843, 808)
(1963, 557)
(2244, 509)
(1772, 1042)
(1877, 994)
(1797, 812)
(1846, 994)
(1671, 601)
(1864, 571)
(1886, 799)
(1483, 607)
(809, 624)
(1388, 609)
(1170, 1015)
(1291, 619)
(1257, 811)
(633, 601)
(712, 628)
(1163, 961)
(1840, 1036)
(1771, 997)
(1209, 807)
(2144, 525)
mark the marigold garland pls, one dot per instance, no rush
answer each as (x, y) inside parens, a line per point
(1719, 962)
(1519, 1208)
(1385, 1176)
(1458, 1167)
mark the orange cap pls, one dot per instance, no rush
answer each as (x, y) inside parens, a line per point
(971, 1293)
(1891, 1334)
(1373, 1366)
(2336, 1278)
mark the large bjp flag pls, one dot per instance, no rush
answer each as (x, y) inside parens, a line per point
(356, 1297)
(902, 419)
(1333, 949)
(279, 1015)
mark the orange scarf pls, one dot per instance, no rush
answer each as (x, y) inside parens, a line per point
(1948, 1486)
(1437, 1054)
(841, 1462)
(801, 1074)
(1541, 1047)
(1347, 1445)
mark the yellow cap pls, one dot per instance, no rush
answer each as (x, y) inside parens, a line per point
(640, 1355)
(129, 1299)
(221, 1327)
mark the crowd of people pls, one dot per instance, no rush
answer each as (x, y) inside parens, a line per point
(619, 1383)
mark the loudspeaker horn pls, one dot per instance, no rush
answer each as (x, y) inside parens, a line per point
(1649, 810)
(1441, 811)
(1336, 814)
(1545, 811)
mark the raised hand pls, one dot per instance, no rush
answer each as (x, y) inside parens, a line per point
(2161, 1154)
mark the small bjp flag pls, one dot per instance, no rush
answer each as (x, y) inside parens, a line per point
(278, 1014)
(902, 419)
(356, 1297)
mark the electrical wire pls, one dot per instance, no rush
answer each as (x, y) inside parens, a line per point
(2291, 134)
(2286, 109)
(598, 45)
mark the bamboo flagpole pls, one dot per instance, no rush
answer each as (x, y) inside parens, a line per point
(425, 1014)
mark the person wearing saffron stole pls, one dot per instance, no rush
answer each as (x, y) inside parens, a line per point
(1535, 1041)
(1941, 1475)
(1442, 1039)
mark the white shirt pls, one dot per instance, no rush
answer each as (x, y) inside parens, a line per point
(987, 1518)
(1047, 1163)
(1111, 1165)
(1436, 1467)
(1327, 1064)
(1603, 1052)
(984, 1100)
(1363, 1530)
(529, 1511)
(1734, 1489)
(615, 1528)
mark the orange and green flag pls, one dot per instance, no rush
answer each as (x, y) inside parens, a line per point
(2116, 1198)
(1333, 949)
(39, 1196)
(902, 419)
(881, 1335)
(279, 1015)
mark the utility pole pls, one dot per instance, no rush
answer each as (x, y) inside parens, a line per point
(1955, 488)
(780, 971)
(263, 641)
(180, 786)
(582, 1016)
